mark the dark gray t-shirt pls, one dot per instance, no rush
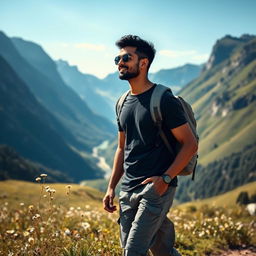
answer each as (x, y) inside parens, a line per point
(145, 154)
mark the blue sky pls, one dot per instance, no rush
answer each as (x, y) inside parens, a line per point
(84, 32)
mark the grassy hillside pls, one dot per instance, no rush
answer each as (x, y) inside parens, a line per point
(224, 200)
(30, 193)
(75, 224)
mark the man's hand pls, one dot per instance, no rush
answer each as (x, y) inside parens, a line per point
(108, 201)
(159, 185)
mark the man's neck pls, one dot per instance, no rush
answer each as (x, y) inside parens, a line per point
(139, 85)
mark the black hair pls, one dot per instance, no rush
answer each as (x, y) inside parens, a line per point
(144, 49)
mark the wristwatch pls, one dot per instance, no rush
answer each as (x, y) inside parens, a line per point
(166, 178)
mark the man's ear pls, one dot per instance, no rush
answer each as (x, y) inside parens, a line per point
(144, 63)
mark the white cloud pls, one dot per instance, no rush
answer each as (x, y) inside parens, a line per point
(176, 54)
(200, 57)
(190, 55)
(93, 47)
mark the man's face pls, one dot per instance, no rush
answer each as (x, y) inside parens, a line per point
(128, 69)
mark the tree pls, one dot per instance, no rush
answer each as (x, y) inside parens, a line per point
(243, 198)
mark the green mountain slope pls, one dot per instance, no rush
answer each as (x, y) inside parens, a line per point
(224, 99)
(78, 117)
(34, 132)
(87, 87)
(59, 99)
(13, 166)
(219, 176)
(227, 199)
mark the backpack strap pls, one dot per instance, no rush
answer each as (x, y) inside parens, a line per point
(155, 110)
(120, 103)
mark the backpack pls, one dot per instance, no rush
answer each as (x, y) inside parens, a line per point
(156, 115)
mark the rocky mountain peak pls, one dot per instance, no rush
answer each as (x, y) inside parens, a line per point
(224, 48)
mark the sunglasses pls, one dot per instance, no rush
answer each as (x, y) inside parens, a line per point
(125, 58)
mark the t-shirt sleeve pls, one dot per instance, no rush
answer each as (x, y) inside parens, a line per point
(172, 111)
(120, 129)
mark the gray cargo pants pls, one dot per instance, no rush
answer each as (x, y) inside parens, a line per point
(143, 221)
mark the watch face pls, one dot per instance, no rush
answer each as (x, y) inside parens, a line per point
(167, 179)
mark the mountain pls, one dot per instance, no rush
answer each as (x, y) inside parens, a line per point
(224, 99)
(224, 47)
(34, 132)
(176, 78)
(39, 73)
(88, 87)
(13, 166)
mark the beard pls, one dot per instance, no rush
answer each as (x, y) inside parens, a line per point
(129, 75)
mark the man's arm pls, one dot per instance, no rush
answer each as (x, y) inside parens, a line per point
(116, 175)
(189, 146)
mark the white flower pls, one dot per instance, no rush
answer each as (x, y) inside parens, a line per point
(85, 225)
(67, 232)
(10, 232)
(31, 240)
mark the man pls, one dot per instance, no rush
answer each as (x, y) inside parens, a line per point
(149, 171)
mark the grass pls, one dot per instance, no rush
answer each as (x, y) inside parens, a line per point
(227, 199)
(68, 220)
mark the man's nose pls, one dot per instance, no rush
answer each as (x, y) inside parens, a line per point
(120, 61)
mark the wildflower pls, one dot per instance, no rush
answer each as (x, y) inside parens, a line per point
(25, 233)
(31, 230)
(68, 187)
(201, 234)
(77, 236)
(31, 240)
(10, 232)
(85, 225)
(38, 179)
(35, 217)
(67, 232)
(53, 191)
(57, 233)
(22, 204)
(43, 175)
(44, 196)
(31, 207)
